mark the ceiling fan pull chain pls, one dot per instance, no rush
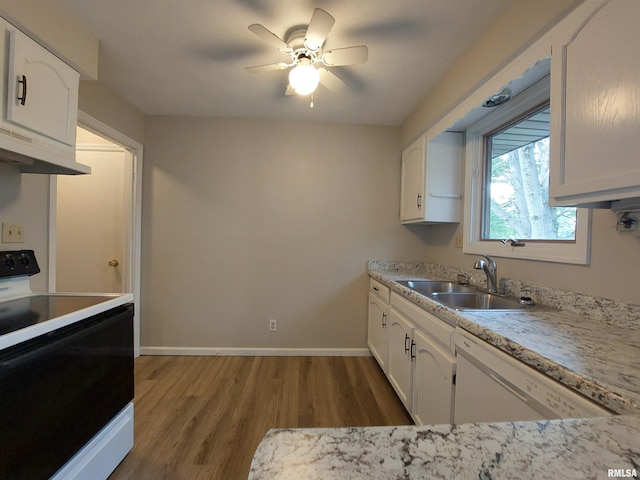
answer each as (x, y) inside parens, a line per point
(311, 104)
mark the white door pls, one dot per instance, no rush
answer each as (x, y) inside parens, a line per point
(433, 370)
(93, 225)
(412, 195)
(377, 332)
(399, 363)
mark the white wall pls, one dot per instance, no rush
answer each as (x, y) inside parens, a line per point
(248, 220)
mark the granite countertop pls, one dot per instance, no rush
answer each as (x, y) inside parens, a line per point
(550, 449)
(591, 345)
(595, 354)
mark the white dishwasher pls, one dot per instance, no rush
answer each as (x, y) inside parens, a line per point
(492, 386)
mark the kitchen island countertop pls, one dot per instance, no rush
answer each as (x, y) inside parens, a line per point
(550, 449)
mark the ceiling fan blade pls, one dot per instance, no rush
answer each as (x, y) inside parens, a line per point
(319, 27)
(267, 68)
(289, 90)
(269, 37)
(330, 80)
(346, 56)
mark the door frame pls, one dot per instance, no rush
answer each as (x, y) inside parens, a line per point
(136, 150)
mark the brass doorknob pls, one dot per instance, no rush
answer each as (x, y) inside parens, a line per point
(114, 263)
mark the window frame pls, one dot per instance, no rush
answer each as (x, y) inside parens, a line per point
(575, 252)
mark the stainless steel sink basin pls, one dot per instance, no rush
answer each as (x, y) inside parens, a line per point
(427, 287)
(478, 301)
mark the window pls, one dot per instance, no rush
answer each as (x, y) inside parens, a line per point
(516, 175)
(507, 194)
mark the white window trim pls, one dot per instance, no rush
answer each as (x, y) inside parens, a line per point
(576, 253)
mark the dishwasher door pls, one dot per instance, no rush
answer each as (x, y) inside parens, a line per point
(492, 386)
(483, 396)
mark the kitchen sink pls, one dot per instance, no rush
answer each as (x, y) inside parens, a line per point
(427, 287)
(478, 301)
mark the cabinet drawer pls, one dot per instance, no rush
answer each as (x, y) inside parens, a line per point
(437, 329)
(379, 289)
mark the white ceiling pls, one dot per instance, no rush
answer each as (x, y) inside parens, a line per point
(187, 57)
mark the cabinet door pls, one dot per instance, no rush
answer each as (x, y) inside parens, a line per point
(377, 330)
(42, 90)
(399, 361)
(595, 101)
(433, 371)
(412, 188)
(443, 200)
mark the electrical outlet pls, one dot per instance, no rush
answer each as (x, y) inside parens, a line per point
(12, 233)
(273, 325)
(458, 241)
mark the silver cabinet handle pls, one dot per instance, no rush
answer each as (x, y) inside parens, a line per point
(384, 320)
(419, 201)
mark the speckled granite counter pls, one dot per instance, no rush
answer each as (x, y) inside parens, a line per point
(591, 345)
(578, 448)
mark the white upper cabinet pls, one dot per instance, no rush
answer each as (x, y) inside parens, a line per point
(431, 189)
(595, 101)
(42, 90)
(38, 105)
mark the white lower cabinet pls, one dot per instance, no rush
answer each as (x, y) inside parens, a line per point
(377, 330)
(421, 364)
(399, 366)
(433, 375)
(377, 325)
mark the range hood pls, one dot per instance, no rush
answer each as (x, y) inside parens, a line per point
(30, 155)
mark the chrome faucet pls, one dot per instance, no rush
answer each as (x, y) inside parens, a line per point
(491, 271)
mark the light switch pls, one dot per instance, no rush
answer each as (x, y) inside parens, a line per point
(12, 233)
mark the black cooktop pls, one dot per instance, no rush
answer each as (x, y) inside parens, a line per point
(24, 312)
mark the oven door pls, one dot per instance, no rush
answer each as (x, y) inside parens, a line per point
(58, 390)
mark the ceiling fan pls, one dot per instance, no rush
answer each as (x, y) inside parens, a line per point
(303, 44)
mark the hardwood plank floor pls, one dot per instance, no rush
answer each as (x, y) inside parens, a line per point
(203, 417)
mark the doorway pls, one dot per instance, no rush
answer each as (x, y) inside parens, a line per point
(101, 144)
(93, 225)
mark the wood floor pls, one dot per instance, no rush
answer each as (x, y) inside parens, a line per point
(203, 417)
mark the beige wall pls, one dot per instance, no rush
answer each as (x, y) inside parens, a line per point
(24, 200)
(248, 220)
(613, 272)
(519, 24)
(102, 104)
(63, 34)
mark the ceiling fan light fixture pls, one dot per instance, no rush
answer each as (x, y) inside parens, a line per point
(304, 78)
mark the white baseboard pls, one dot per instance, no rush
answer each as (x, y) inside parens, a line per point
(257, 352)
